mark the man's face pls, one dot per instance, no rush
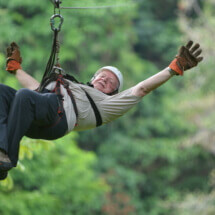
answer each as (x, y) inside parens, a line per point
(106, 82)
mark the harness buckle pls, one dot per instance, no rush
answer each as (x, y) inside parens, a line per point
(58, 70)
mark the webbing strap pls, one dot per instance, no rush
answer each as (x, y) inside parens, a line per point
(60, 98)
(95, 109)
(93, 105)
(73, 102)
(57, 90)
(60, 79)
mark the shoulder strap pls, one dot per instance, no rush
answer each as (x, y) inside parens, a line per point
(95, 109)
(72, 78)
(93, 105)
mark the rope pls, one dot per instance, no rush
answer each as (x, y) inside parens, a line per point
(51, 61)
(54, 58)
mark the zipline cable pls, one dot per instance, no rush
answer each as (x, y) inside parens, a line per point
(98, 7)
(57, 5)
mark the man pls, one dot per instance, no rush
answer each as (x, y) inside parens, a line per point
(65, 105)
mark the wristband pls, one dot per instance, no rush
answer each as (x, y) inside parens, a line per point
(174, 65)
(12, 66)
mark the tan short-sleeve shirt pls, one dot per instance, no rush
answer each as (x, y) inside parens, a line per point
(110, 107)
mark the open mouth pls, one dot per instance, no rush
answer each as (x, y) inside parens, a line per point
(101, 84)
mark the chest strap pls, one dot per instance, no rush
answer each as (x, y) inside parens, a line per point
(95, 109)
(92, 103)
(61, 80)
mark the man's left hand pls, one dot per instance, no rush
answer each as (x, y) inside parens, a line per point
(187, 58)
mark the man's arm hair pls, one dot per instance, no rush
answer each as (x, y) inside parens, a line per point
(146, 86)
(26, 80)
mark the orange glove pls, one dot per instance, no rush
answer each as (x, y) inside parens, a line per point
(187, 58)
(14, 58)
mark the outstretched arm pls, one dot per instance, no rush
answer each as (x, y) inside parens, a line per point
(146, 86)
(187, 58)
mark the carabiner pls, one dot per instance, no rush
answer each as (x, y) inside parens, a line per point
(52, 22)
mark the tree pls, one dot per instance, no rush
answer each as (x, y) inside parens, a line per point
(60, 180)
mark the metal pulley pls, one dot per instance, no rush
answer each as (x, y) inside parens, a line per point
(56, 3)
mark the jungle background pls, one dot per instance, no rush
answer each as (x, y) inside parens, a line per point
(156, 160)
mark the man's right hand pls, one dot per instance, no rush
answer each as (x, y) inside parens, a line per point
(14, 58)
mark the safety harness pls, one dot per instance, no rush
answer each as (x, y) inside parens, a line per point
(57, 74)
(62, 80)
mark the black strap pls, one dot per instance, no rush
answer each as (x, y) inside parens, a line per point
(95, 109)
(61, 79)
(93, 105)
(73, 102)
(71, 78)
(51, 61)
(57, 91)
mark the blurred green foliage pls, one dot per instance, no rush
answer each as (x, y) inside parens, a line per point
(58, 180)
(156, 160)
